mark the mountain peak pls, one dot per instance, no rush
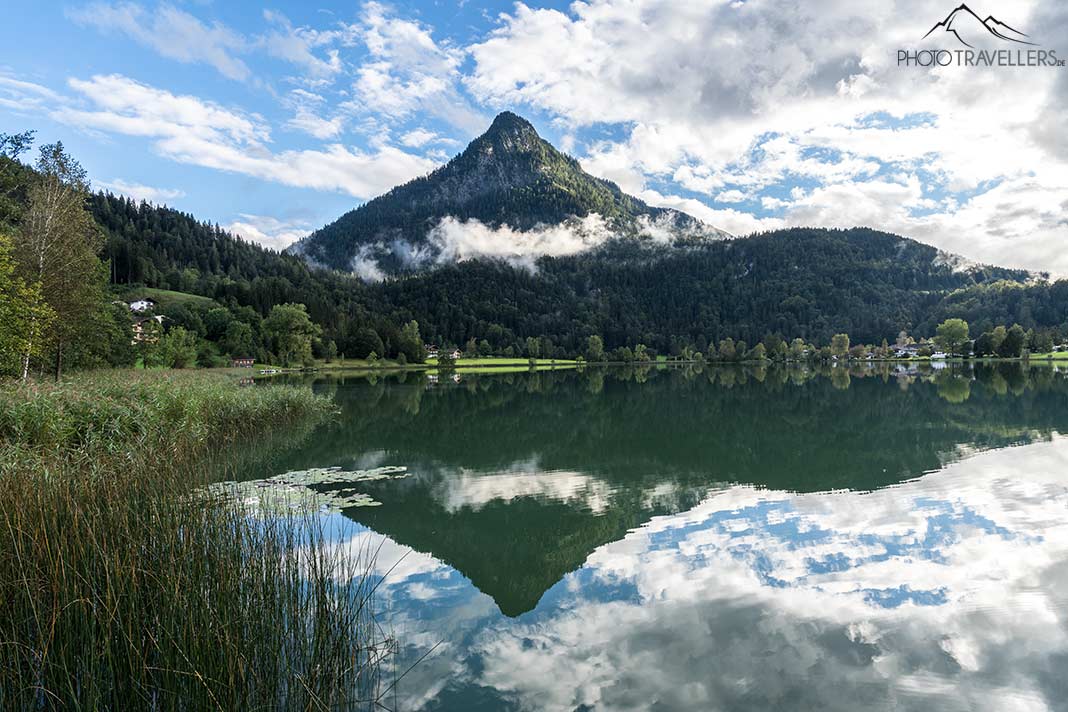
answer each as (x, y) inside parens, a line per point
(509, 177)
(507, 121)
(509, 132)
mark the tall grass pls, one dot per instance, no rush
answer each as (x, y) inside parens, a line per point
(119, 590)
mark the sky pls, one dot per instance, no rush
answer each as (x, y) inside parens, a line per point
(749, 114)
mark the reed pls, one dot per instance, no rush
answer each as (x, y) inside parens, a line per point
(119, 589)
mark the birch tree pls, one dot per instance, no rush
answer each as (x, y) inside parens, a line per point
(23, 313)
(57, 249)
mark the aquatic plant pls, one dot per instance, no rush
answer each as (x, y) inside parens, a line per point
(300, 489)
(120, 591)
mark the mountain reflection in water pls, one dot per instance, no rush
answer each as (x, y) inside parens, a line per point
(716, 538)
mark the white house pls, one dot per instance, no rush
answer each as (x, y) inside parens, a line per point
(142, 305)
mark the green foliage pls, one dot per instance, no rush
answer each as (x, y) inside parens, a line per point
(952, 335)
(15, 178)
(840, 345)
(108, 341)
(177, 348)
(1014, 343)
(291, 332)
(23, 315)
(366, 341)
(238, 340)
(410, 343)
(727, 351)
(216, 322)
(330, 351)
(56, 247)
(1043, 342)
(595, 348)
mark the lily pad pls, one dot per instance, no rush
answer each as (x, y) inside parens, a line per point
(294, 490)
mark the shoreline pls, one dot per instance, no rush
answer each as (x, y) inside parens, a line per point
(560, 364)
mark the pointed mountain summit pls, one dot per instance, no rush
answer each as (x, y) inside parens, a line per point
(509, 177)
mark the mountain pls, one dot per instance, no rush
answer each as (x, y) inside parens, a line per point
(809, 283)
(971, 30)
(516, 186)
(609, 461)
(802, 282)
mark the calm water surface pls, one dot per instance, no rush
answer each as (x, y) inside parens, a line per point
(716, 539)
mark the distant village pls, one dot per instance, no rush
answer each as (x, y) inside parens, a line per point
(142, 309)
(144, 332)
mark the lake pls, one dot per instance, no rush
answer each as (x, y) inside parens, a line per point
(887, 537)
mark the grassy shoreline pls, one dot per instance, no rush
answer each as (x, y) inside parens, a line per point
(121, 591)
(502, 364)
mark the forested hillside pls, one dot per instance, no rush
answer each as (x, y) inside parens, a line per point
(807, 283)
(705, 296)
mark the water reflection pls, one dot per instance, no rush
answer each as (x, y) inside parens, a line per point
(720, 538)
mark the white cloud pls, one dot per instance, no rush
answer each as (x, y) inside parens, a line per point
(23, 96)
(418, 138)
(736, 222)
(190, 130)
(269, 231)
(364, 264)
(455, 240)
(141, 192)
(473, 490)
(780, 103)
(307, 107)
(297, 44)
(310, 123)
(722, 97)
(408, 72)
(732, 196)
(173, 33)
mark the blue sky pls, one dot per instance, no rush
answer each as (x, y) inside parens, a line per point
(750, 115)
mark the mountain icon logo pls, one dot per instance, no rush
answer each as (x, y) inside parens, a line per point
(964, 24)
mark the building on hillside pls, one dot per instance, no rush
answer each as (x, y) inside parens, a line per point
(242, 362)
(139, 306)
(431, 350)
(907, 351)
(144, 332)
